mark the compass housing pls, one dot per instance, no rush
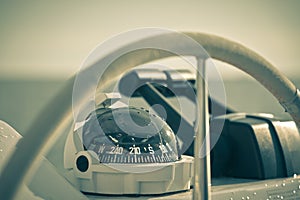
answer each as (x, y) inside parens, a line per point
(126, 150)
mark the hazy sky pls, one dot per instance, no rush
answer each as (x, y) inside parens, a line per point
(51, 39)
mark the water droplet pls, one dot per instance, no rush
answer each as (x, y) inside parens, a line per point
(243, 198)
(266, 185)
(1, 150)
(247, 197)
(299, 187)
(5, 136)
(281, 197)
(294, 191)
(276, 185)
(254, 193)
(295, 175)
(283, 184)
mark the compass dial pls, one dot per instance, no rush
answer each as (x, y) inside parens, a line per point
(129, 135)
